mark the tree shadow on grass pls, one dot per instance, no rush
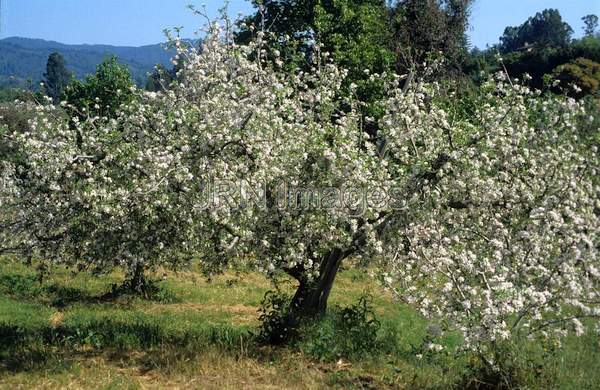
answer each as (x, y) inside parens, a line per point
(29, 287)
(36, 348)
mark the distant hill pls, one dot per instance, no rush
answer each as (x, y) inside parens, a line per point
(23, 59)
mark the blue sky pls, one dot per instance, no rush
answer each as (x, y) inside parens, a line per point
(140, 22)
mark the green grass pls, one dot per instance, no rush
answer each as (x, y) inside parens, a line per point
(59, 333)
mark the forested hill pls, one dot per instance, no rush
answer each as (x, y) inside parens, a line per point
(23, 59)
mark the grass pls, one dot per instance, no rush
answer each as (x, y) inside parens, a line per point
(58, 333)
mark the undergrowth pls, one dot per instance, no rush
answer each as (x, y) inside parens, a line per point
(60, 323)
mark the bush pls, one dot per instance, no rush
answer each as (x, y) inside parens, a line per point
(277, 325)
(102, 93)
(578, 78)
(15, 118)
(514, 365)
(351, 332)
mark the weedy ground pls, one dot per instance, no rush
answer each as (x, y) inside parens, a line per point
(63, 332)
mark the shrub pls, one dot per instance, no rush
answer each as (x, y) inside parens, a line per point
(100, 94)
(16, 117)
(277, 324)
(514, 366)
(578, 78)
(351, 333)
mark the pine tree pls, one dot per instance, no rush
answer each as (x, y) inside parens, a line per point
(56, 77)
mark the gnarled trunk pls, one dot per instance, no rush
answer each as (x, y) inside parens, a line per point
(312, 295)
(137, 283)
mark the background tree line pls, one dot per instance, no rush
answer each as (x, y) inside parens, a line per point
(375, 36)
(403, 35)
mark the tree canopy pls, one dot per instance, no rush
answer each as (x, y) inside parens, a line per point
(426, 28)
(591, 24)
(544, 29)
(56, 77)
(101, 93)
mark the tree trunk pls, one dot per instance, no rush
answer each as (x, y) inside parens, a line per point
(137, 280)
(137, 283)
(311, 296)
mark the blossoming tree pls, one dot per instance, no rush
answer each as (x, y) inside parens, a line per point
(503, 239)
(488, 220)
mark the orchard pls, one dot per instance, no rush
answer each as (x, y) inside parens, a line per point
(482, 214)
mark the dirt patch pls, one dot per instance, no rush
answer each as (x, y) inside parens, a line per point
(56, 319)
(242, 312)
